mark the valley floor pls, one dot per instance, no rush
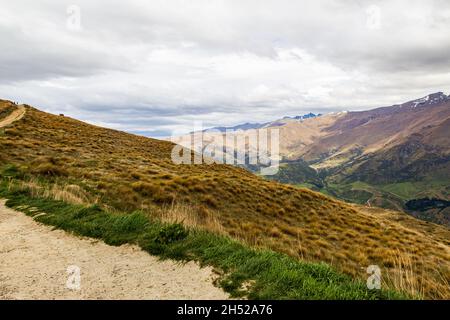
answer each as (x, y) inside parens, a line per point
(34, 261)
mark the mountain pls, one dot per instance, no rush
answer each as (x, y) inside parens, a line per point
(385, 156)
(394, 154)
(305, 116)
(369, 131)
(245, 126)
(87, 164)
(250, 126)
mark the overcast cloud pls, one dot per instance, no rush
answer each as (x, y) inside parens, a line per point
(154, 67)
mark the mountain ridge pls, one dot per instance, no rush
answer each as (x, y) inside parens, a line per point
(401, 144)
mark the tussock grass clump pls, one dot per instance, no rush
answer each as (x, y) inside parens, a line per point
(69, 193)
(196, 217)
(47, 166)
(145, 189)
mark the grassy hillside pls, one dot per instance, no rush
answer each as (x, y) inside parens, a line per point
(84, 164)
(242, 271)
(430, 209)
(295, 172)
(411, 161)
(390, 192)
(369, 155)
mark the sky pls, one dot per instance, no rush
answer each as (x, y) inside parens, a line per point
(157, 67)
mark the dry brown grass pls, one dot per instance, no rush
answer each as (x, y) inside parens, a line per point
(190, 216)
(127, 173)
(404, 276)
(69, 193)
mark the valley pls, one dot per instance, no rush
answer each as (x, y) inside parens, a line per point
(381, 157)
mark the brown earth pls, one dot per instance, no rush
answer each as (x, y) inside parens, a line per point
(34, 261)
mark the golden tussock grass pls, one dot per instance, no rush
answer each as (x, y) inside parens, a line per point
(69, 193)
(190, 216)
(406, 277)
(126, 172)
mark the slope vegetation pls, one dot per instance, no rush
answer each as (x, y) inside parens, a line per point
(385, 156)
(124, 172)
(43, 254)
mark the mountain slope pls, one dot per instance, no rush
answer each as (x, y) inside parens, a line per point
(385, 128)
(126, 172)
(411, 161)
(335, 139)
(385, 156)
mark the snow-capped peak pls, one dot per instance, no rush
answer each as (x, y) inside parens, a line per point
(429, 99)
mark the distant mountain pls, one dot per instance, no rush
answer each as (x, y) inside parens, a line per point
(250, 126)
(384, 156)
(305, 116)
(368, 131)
(408, 142)
(245, 126)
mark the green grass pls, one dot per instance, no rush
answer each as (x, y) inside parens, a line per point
(270, 275)
(357, 192)
(394, 194)
(404, 190)
(412, 190)
(306, 186)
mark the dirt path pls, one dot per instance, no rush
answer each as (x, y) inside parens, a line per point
(14, 116)
(34, 261)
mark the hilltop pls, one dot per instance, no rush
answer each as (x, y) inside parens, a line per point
(124, 172)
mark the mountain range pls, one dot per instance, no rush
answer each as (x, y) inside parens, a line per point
(101, 170)
(383, 157)
(250, 126)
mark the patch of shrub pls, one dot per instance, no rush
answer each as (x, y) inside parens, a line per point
(131, 223)
(11, 171)
(170, 233)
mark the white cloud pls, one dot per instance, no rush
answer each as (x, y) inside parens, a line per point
(154, 66)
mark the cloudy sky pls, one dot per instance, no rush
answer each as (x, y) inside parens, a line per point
(155, 67)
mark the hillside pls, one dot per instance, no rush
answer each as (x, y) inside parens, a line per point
(385, 156)
(377, 129)
(120, 171)
(401, 153)
(430, 209)
(399, 143)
